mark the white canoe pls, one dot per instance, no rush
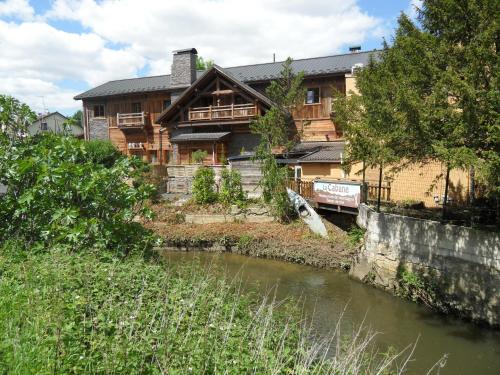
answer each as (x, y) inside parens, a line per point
(307, 213)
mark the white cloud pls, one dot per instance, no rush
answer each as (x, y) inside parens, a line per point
(122, 37)
(20, 9)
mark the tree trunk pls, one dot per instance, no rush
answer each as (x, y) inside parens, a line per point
(445, 201)
(379, 187)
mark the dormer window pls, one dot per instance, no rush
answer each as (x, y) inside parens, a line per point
(99, 110)
(136, 108)
(312, 95)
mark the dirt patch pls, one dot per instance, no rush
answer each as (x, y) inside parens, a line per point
(291, 242)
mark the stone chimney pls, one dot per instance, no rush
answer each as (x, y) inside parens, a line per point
(183, 68)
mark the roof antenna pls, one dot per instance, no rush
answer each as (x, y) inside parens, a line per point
(274, 57)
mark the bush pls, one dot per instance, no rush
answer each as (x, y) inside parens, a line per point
(204, 186)
(102, 152)
(231, 190)
(198, 156)
(57, 196)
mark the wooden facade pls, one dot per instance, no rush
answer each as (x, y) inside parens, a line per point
(216, 103)
(133, 133)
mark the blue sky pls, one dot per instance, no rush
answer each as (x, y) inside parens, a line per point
(63, 47)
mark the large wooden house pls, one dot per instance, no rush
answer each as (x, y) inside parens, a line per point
(163, 119)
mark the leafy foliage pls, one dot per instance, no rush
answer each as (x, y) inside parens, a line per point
(201, 64)
(57, 196)
(231, 189)
(90, 313)
(433, 95)
(198, 156)
(204, 186)
(102, 152)
(274, 129)
(14, 117)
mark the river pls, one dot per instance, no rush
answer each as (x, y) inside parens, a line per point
(471, 349)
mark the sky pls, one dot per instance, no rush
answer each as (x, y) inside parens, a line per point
(52, 50)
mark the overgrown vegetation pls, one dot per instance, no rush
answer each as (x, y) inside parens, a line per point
(57, 195)
(417, 287)
(204, 186)
(198, 156)
(102, 152)
(231, 189)
(14, 118)
(355, 236)
(274, 129)
(91, 312)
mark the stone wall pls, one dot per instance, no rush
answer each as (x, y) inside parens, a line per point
(463, 263)
(98, 129)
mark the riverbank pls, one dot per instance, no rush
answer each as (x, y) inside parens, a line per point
(292, 242)
(96, 312)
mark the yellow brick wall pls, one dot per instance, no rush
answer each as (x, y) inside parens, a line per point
(413, 182)
(310, 171)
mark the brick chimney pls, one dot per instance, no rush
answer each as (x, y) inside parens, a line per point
(183, 68)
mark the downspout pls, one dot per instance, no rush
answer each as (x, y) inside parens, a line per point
(161, 144)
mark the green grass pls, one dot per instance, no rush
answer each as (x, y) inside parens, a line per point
(95, 313)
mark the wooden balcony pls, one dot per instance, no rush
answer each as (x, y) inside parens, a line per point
(225, 112)
(126, 121)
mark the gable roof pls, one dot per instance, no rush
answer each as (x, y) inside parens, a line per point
(48, 115)
(247, 73)
(207, 75)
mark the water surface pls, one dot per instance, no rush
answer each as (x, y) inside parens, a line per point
(471, 349)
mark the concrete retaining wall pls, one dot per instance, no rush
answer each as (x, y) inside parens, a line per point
(464, 263)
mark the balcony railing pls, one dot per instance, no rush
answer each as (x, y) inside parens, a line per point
(224, 112)
(131, 120)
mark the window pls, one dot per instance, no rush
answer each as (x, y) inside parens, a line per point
(166, 103)
(298, 172)
(136, 108)
(312, 96)
(44, 127)
(99, 110)
(153, 157)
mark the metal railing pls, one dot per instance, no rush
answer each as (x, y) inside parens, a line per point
(233, 111)
(131, 120)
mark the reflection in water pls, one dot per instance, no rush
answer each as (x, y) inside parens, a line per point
(471, 349)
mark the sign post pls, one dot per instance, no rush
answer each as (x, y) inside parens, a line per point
(338, 193)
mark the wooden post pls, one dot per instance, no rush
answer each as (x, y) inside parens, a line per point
(379, 187)
(213, 153)
(445, 201)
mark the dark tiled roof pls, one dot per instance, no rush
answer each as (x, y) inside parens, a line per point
(247, 73)
(311, 67)
(199, 137)
(326, 152)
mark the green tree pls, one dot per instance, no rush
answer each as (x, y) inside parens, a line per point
(204, 186)
(274, 129)
(231, 188)
(201, 64)
(15, 117)
(57, 196)
(432, 95)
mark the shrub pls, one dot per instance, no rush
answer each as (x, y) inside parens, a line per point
(355, 235)
(204, 186)
(231, 190)
(198, 156)
(56, 195)
(102, 152)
